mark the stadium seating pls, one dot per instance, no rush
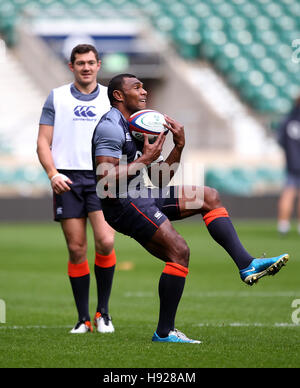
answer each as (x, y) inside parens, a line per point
(245, 181)
(248, 42)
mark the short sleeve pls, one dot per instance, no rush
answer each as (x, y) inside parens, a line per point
(108, 139)
(48, 112)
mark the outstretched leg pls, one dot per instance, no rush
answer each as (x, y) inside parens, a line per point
(207, 203)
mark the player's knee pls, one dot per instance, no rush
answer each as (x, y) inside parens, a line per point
(212, 198)
(181, 253)
(105, 245)
(185, 255)
(77, 252)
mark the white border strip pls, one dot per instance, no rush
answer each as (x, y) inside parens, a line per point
(25, 327)
(244, 324)
(200, 324)
(221, 294)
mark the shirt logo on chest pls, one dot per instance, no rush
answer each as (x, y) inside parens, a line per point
(84, 111)
(128, 137)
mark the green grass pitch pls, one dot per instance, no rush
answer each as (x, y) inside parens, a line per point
(240, 326)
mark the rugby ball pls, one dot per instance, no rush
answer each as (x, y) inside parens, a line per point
(149, 122)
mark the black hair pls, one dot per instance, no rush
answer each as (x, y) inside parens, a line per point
(83, 49)
(116, 83)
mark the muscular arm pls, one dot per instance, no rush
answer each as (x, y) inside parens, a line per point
(111, 172)
(44, 141)
(161, 173)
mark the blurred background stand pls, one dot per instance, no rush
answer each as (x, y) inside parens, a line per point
(228, 70)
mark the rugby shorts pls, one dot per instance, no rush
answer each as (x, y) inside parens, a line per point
(80, 200)
(140, 217)
(293, 180)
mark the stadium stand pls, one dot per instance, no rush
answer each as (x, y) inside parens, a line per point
(248, 42)
(19, 114)
(245, 51)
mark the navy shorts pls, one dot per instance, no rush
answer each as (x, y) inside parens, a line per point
(293, 180)
(140, 217)
(80, 200)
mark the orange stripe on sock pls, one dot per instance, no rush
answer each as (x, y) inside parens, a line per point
(78, 270)
(213, 214)
(106, 261)
(176, 269)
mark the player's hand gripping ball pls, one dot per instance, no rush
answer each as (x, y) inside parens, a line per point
(149, 122)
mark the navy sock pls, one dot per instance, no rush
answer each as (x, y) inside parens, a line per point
(80, 286)
(223, 232)
(170, 291)
(104, 279)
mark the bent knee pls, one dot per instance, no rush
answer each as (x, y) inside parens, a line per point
(105, 245)
(181, 253)
(211, 198)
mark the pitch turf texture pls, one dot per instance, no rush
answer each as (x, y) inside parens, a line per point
(240, 326)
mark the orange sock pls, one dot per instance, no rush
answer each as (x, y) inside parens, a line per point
(78, 270)
(106, 261)
(175, 269)
(215, 213)
(221, 229)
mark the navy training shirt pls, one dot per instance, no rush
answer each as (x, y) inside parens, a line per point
(112, 138)
(289, 139)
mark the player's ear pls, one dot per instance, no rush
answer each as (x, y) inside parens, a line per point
(71, 67)
(118, 95)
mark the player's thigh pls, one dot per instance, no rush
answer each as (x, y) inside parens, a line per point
(191, 200)
(103, 233)
(74, 230)
(168, 245)
(197, 200)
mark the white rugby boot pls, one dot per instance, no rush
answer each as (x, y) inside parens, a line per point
(82, 327)
(103, 323)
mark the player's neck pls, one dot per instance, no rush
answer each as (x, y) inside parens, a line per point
(85, 89)
(123, 110)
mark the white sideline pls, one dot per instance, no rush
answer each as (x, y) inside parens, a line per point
(201, 324)
(244, 324)
(18, 327)
(222, 294)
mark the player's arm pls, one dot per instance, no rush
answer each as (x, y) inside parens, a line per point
(59, 182)
(160, 173)
(110, 168)
(177, 131)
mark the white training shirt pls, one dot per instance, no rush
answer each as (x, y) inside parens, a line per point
(74, 116)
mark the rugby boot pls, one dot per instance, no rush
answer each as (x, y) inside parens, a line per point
(262, 267)
(103, 323)
(175, 336)
(82, 327)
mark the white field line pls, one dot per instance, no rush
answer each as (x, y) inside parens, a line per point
(23, 327)
(222, 294)
(201, 324)
(245, 324)
(213, 294)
